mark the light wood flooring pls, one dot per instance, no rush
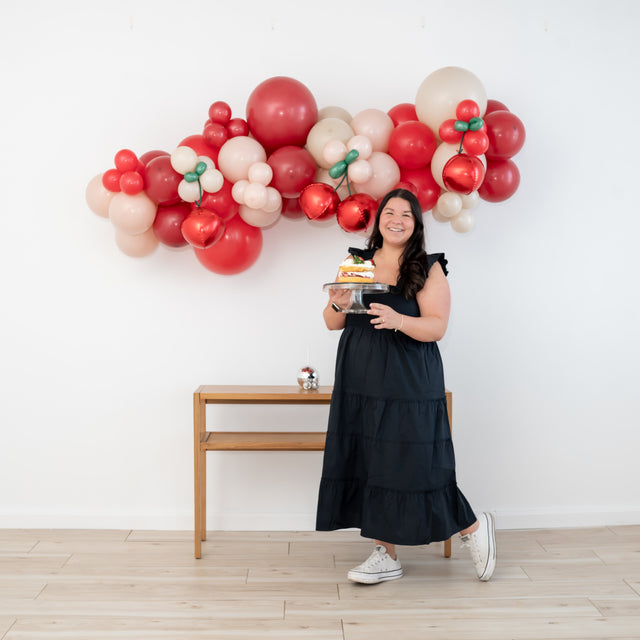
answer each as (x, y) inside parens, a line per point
(549, 584)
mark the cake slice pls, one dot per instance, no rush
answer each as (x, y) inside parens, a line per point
(355, 269)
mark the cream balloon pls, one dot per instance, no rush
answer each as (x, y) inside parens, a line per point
(437, 216)
(237, 191)
(132, 214)
(255, 195)
(260, 172)
(441, 91)
(362, 145)
(208, 161)
(321, 133)
(334, 151)
(274, 201)
(360, 171)
(98, 198)
(463, 222)
(258, 217)
(375, 125)
(184, 159)
(385, 175)
(211, 180)
(443, 152)
(237, 155)
(449, 204)
(189, 191)
(470, 200)
(137, 246)
(334, 112)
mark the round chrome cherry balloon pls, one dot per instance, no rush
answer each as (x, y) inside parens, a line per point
(318, 200)
(356, 212)
(202, 228)
(463, 173)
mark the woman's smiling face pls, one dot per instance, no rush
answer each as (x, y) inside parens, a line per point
(396, 222)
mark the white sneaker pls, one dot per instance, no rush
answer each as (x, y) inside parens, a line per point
(482, 545)
(378, 567)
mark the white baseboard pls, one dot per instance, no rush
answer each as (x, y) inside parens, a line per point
(540, 518)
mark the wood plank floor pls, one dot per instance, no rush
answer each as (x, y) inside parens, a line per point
(553, 584)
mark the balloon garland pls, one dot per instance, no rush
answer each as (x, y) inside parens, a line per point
(216, 191)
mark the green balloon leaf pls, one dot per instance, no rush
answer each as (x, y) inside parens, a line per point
(338, 169)
(201, 167)
(191, 176)
(461, 125)
(352, 156)
(475, 124)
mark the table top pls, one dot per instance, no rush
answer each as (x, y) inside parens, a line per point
(293, 394)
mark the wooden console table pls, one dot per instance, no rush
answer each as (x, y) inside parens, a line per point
(250, 440)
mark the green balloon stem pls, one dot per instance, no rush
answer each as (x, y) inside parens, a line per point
(461, 125)
(352, 156)
(201, 167)
(199, 202)
(191, 176)
(461, 139)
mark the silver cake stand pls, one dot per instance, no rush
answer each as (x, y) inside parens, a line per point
(357, 289)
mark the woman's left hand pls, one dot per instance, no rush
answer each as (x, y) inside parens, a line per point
(386, 318)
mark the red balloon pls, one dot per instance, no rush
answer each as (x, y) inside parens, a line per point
(500, 182)
(428, 190)
(220, 112)
(319, 201)
(412, 145)
(215, 134)
(475, 143)
(293, 169)
(168, 223)
(236, 251)
(161, 180)
(111, 180)
(291, 208)
(448, 133)
(131, 182)
(356, 212)
(201, 147)
(407, 186)
(280, 112)
(221, 202)
(126, 160)
(145, 158)
(404, 112)
(202, 228)
(463, 173)
(467, 109)
(495, 105)
(237, 127)
(506, 135)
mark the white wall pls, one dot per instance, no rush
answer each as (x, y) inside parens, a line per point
(101, 352)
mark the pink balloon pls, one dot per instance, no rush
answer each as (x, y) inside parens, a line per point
(386, 174)
(98, 198)
(137, 246)
(132, 214)
(376, 125)
(237, 155)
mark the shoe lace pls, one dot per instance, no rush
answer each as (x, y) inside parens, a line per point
(469, 542)
(376, 557)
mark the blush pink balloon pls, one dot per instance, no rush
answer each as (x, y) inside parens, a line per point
(376, 125)
(98, 198)
(138, 246)
(385, 175)
(237, 155)
(132, 214)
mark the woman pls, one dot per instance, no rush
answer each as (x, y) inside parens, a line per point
(389, 465)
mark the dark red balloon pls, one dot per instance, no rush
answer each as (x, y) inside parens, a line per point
(168, 222)
(500, 182)
(161, 180)
(356, 212)
(201, 147)
(291, 208)
(463, 173)
(237, 127)
(236, 251)
(220, 112)
(202, 228)
(221, 202)
(495, 105)
(412, 145)
(280, 112)
(293, 169)
(215, 134)
(318, 201)
(405, 112)
(424, 182)
(506, 135)
(145, 158)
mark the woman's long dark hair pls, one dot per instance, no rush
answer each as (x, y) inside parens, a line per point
(413, 261)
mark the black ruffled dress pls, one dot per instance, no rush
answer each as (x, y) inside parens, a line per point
(389, 466)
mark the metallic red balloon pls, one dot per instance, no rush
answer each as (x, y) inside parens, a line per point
(202, 228)
(318, 201)
(356, 212)
(463, 173)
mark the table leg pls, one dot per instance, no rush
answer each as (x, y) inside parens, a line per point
(197, 464)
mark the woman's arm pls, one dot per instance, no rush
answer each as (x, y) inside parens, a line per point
(434, 301)
(332, 318)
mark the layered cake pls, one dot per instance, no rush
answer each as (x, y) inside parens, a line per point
(355, 269)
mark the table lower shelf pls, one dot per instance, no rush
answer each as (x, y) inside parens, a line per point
(262, 441)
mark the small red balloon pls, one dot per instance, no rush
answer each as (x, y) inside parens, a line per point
(126, 160)
(293, 169)
(220, 112)
(215, 134)
(318, 201)
(161, 180)
(495, 105)
(506, 135)
(412, 145)
(467, 109)
(131, 182)
(280, 112)
(356, 212)
(236, 251)
(168, 222)
(448, 133)
(475, 143)
(111, 180)
(221, 202)
(425, 184)
(463, 173)
(500, 182)
(405, 112)
(202, 228)
(237, 127)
